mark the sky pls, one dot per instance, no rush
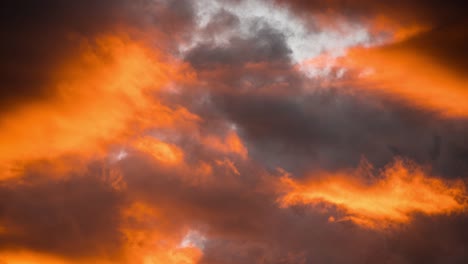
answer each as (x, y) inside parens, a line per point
(233, 131)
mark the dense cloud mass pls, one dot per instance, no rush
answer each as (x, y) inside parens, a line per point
(233, 131)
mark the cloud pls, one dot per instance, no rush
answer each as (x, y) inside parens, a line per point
(198, 132)
(419, 44)
(433, 12)
(76, 217)
(107, 88)
(402, 190)
(41, 36)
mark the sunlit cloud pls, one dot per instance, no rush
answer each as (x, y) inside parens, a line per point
(393, 196)
(110, 87)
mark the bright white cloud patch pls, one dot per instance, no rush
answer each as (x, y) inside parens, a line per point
(193, 239)
(305, 43)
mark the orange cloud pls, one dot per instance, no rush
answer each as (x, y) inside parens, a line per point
(399, 67)
(157, 255)
(400, 191)
(161, 151)
(152, 238)
(231, 143)
(27, 257)
(110, 86)
(406, 75)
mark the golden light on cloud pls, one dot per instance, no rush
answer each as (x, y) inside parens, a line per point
(394, 69)
(231, 143)
(110, 86)
(393, 197)
(164, 152)
(174, 256)
(27, 257)
(155, 255)
(410, 77)
(152, 239)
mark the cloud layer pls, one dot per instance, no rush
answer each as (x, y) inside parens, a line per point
(233, 132)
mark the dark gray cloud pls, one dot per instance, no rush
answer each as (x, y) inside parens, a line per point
(76, 216)
(290, 120)
(329, 129)
(221, 22)
(432, 11)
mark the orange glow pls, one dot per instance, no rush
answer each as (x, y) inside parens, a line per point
(204, 169)
(230, 144)
(203, 173)
(397, 71)
(161, 255)
(98, 95)
(229, 165)
(161, 151)
(155, 240)
(26, 257)
(411, 77)
(400, 191)
(174, 256)
(109, 94)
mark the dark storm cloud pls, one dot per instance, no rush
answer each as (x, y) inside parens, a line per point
(267, 45)
(76, 216)
(289, 122)
(448, 243)
(329, 129)
(221, 21)
(258, 63)
(37, 36)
